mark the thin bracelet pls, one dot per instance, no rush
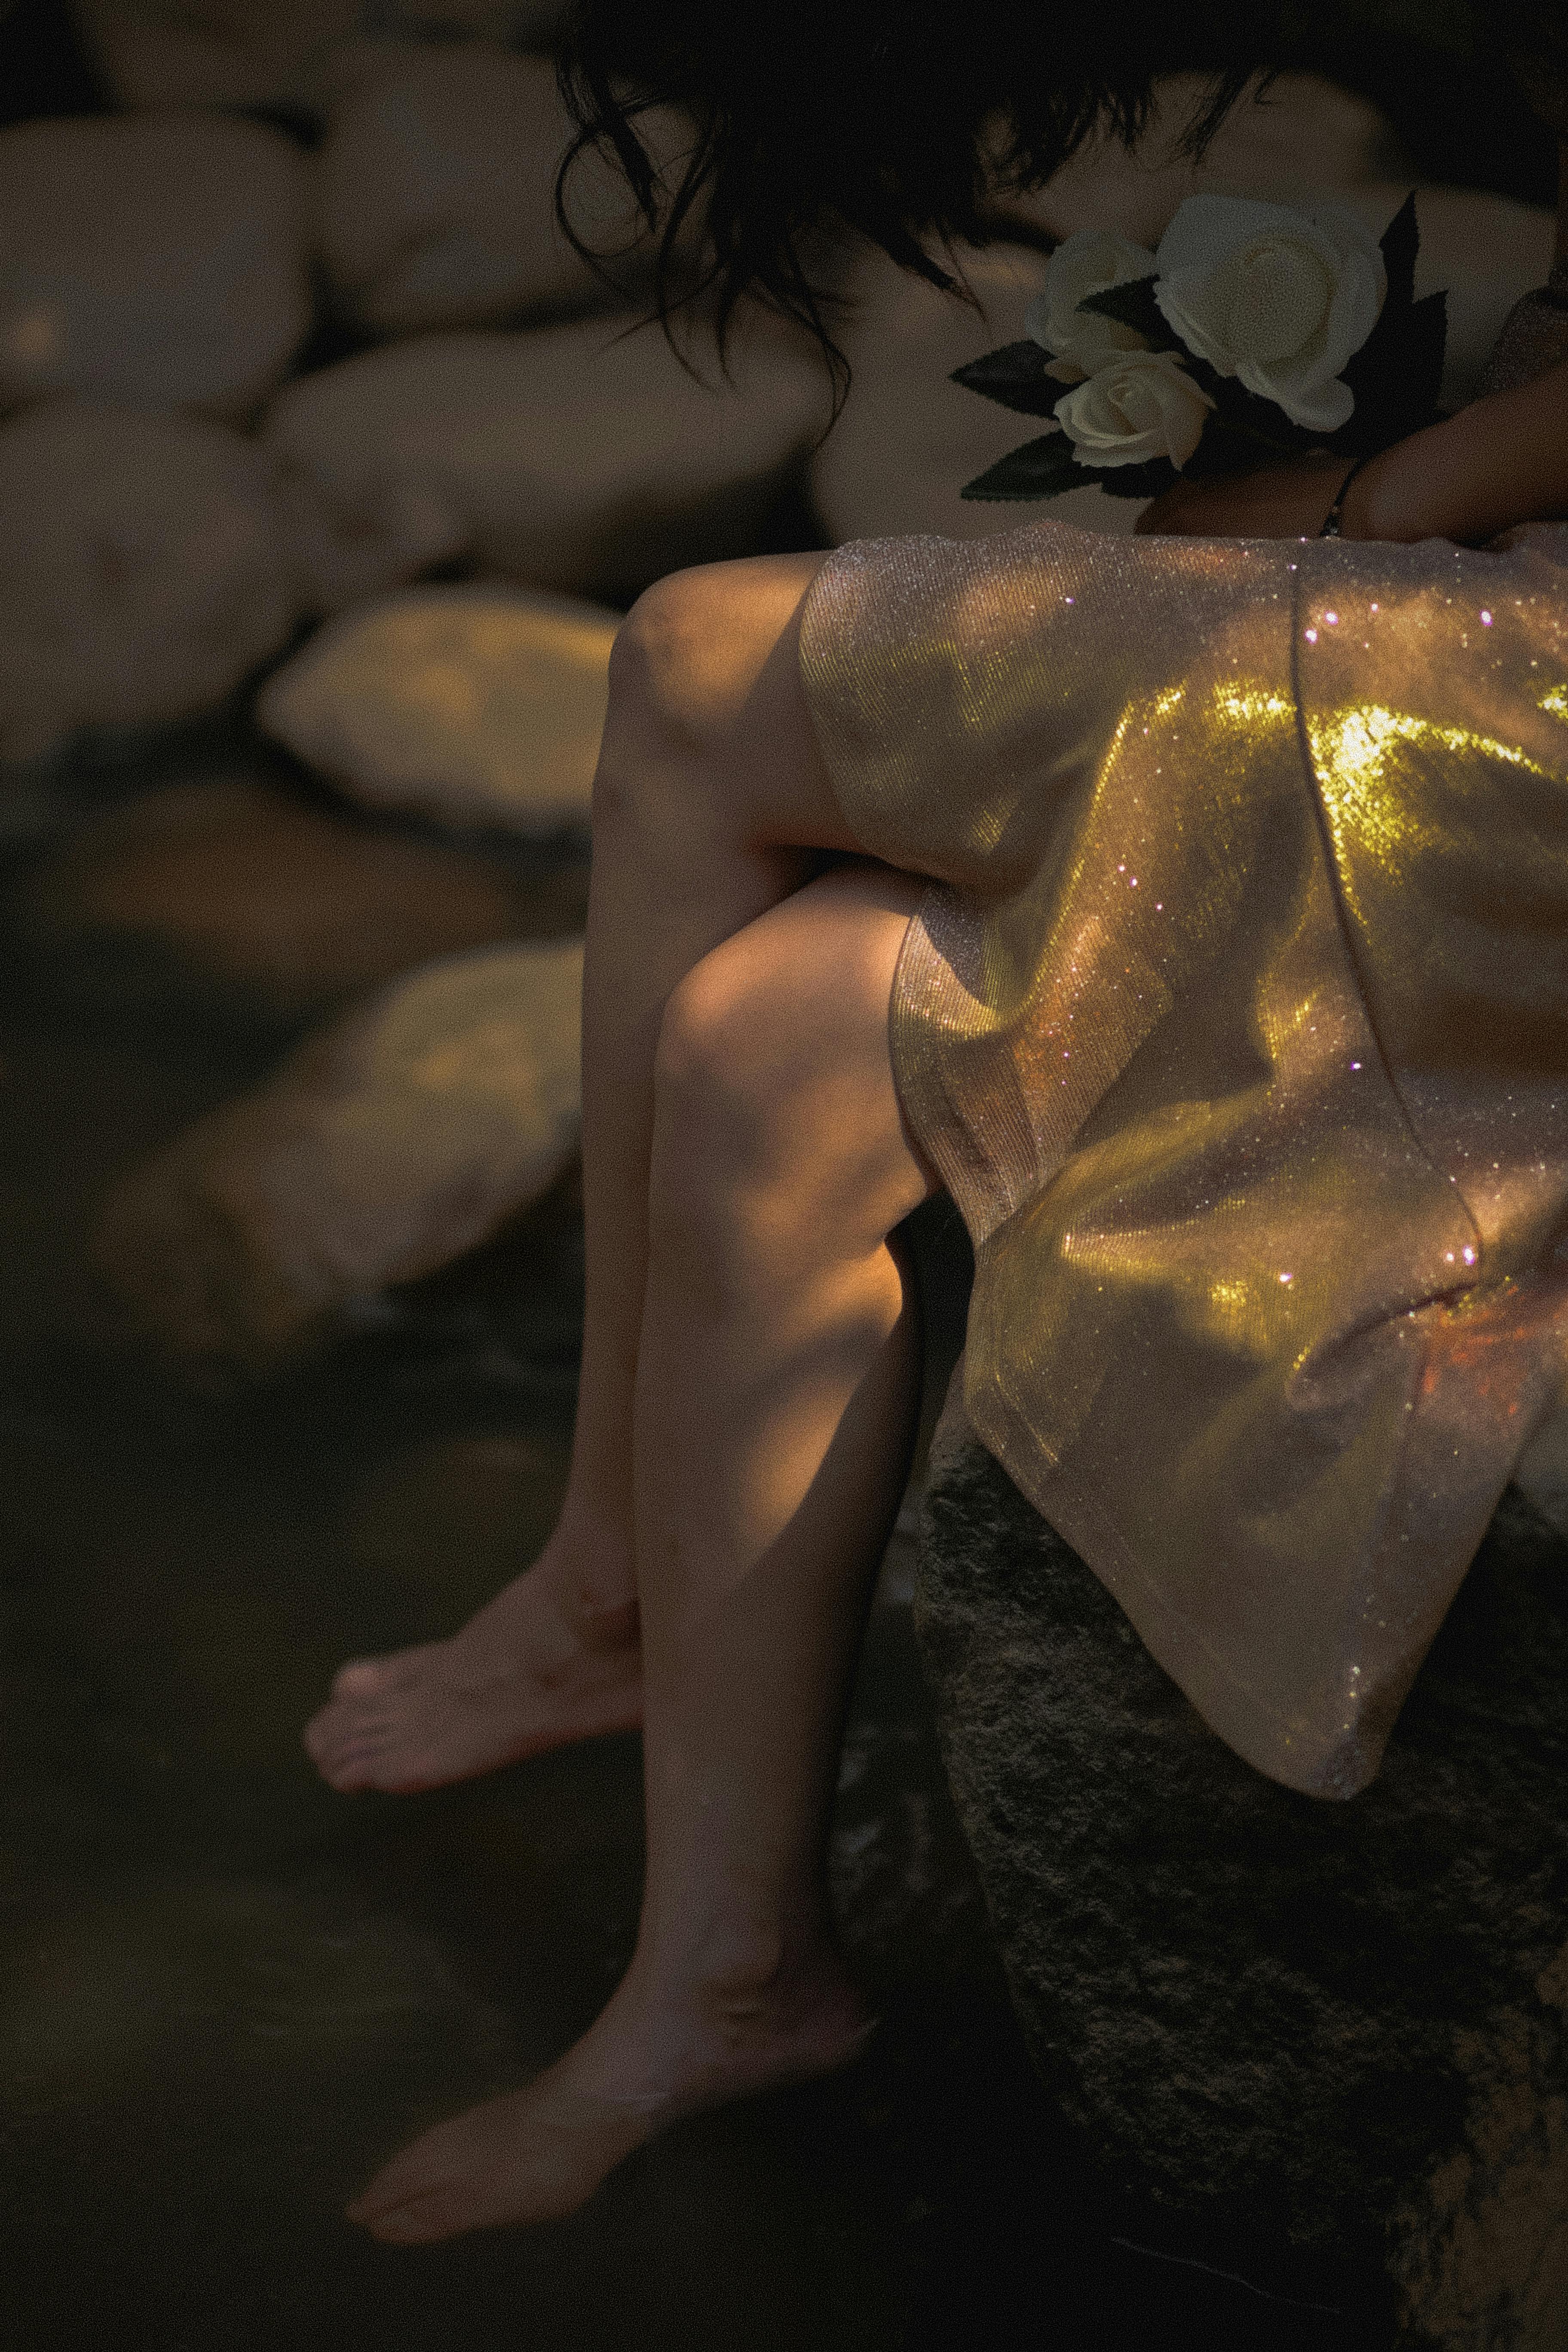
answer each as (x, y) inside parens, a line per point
(1335, 515)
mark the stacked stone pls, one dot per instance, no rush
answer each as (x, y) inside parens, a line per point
(296, 328)
(291, 328)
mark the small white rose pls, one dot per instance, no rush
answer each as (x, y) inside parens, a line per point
(1280, 298)
(1086, 262)
(1141, 405)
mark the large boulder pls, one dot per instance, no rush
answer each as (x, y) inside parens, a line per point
(1322, 2045)
(908, 438)
(387, 1146)
(229, 889)
(585, 457)
(437, 195)
(145, 570)
(480, 704)
(273, 53)
(159, 262)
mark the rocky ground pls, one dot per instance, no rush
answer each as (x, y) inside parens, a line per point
(229, 1993)
(317, 509)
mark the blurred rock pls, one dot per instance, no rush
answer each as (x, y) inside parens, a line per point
(480, 704)
(1323, 2044)
(144, 571)
(385, 1148)
(520, 24)
(159, 262)
(584, 458)
(198, 53)
(273, 53)
(437, 195)
(239, 886)
(907, 439)
(1304, 136)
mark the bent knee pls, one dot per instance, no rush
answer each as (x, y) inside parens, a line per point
(776, 1107)
(719, 1103)
(685, 661)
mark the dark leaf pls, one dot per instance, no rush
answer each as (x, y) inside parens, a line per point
(1224, 450)
(1254, 431)
(1134, 305)
(1425, 350)
(1396, 379)
(1137, 482)
(1040, 469)
(1401, 244)
(1015, 376)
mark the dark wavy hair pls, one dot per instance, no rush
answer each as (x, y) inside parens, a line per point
(890, 118)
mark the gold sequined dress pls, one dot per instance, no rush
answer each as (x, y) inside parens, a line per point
(1236, 1023)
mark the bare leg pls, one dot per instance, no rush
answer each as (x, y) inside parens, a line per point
(777, 1390)
(708, 781)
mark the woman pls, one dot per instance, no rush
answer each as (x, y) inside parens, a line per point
(755, 1130)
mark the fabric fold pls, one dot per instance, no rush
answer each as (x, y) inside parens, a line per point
(1234, 1022)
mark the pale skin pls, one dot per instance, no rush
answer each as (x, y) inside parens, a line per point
(750, 1367)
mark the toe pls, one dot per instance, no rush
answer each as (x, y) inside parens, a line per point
(368, 1678)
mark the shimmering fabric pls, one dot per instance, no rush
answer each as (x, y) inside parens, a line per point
(1237, 1026)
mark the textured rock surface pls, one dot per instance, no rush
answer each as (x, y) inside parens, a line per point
(1301, 2031)
(161, 262)
(907, 439)
(255, 896)
(480, 704)
(272, 52)
(437, 195)
(144, 571)
(582, 458)
(386, 1147)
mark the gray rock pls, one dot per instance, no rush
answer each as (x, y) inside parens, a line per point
(479, 705)
(391, 1143)
(145, 569)
(159, 261)
(437, 195)
(1322, 2045)
(285, 53)
(584, 458)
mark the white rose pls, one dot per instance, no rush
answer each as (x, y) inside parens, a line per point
(1280, 298)
(1141, 405)
(1086, 262)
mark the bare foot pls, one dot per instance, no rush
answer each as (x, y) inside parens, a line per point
(529, 1673)
(537, 2154)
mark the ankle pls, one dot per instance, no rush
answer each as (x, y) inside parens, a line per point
(589, 1571)
(738, 1974)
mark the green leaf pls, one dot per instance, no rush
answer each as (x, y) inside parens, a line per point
(1040, 469)
(1015, 376)
(1134, 305)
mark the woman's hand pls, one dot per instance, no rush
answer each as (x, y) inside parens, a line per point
(1500, 461)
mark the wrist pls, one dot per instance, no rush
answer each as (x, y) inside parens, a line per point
(1371, 504)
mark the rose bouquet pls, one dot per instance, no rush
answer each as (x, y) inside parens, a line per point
(1254, 334)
